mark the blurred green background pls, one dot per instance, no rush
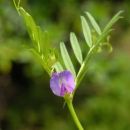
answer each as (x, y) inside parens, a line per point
(103, 100)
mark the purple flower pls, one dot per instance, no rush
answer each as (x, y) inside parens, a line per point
(62, 83)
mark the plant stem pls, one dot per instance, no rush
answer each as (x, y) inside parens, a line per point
(73, 114)
(83, 69)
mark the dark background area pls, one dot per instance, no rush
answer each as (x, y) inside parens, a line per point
(102, 101)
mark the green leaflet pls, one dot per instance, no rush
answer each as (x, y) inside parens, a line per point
(94, 23)
(45, 43)
(108, 29)
(86, 31)
(115, 18)
(76, 48)
(33, 30)
(36, 34)
(66, 58)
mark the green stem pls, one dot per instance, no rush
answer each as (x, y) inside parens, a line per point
(83, 68)
(73, 114)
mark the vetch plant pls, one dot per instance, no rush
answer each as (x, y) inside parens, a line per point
(64, 81)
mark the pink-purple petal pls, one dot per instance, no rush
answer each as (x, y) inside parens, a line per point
(62, 83)
(54, 84)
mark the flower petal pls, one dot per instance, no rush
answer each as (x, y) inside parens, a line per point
(68, 78)
(54, 84)
(62, 83)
